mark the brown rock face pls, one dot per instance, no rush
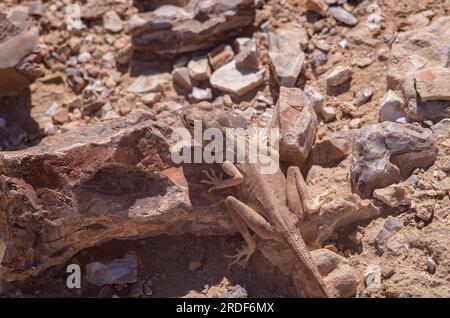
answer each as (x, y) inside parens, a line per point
(198, 25)
(19, 41)
(88, 186)
(385, 153)
(297, 122)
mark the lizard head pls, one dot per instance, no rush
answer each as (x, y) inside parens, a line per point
(210, 116)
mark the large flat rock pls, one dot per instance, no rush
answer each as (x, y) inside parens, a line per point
(200, 24)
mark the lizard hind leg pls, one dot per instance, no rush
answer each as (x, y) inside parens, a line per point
(297, 190)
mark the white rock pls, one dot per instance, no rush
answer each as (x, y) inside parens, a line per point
(112, 22)
(151, 83)
(316, 99)
(391, 107)
(328, 113)
(230, 79)
(372, 276)
(199, 68)
(201, 94)
(182, 77)
(338, 75)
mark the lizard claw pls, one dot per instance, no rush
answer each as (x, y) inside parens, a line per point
(245, 253)
(214, 180)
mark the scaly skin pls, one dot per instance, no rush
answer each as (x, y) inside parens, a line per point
(264, 199)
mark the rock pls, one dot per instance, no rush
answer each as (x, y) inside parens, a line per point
(315, 98)
(297, 123)
(19, 43)
(431, 265)
(112, 21)
(84, 57)
(333, 148)
(328, 113)
(148, 288)
(201, 94)
(343, 16)
(286, 55)
(61, 116)
(425, 210)
(417, 54)
(150, 98)
(391, 107)
(220, 56)
(112, 180)
(200, 25)
(387, 272)
(363, 97)
(393, 196)
(433, 84)
(236, 291)
(442, 128)
(362, 62)
(181, 76)
(118, 271)
(150, 83)
(317, 6)
(248, 55)
(338, 75)
(199, 68)
(385, 153)
(318, 58)
(396, 244)
(390, 227)
(372, 276)
(234, 80)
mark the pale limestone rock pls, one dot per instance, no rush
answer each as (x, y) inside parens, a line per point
(181, 76)
(393, 196)
(199, 68)
(150, 83)
(433, 84)
(318, 6)
(286, 55)
(112, 21)
(391, 107)
(297, 123)
(238, 81)
(338, 75)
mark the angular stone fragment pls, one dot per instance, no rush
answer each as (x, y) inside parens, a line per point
(297, 123)
(199, 68)
(391, 107)
(315, 98)
(385, 153)
(201, 94)
(181, 76)
(116, 272)
(286, 55)
(343, 16)
(338, 75)
(19, 40)
(235, 80)
(389, 228)
(433, 84)
(199, 25)
(417, 53)
(220, 56)
(112, 21)
(333, 148)
(317, 6)
(150, 83)
(248, 55)
(393, 196)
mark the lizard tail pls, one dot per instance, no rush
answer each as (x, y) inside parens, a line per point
(304, 256)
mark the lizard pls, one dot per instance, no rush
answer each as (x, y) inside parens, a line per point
(271, 205)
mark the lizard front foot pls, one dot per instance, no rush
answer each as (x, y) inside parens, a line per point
(215, 180)
(246, 252)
